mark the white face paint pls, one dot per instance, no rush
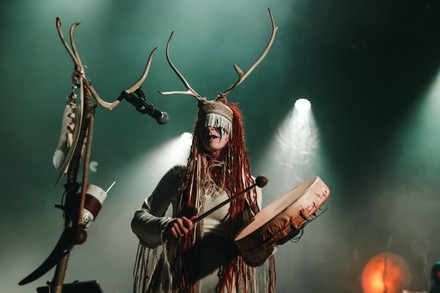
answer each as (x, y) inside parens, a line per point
(214, 140)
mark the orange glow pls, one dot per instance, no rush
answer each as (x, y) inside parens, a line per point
(385, 272)
(377, 282)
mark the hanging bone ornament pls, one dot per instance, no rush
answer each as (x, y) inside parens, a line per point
(222, 96)
(70, 126)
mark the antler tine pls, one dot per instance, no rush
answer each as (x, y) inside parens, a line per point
(241, 76)
(73, 46)
(138, 83)
(190, 91)
(63, 40)
(73, 52)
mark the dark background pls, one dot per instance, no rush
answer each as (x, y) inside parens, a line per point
(370, 69)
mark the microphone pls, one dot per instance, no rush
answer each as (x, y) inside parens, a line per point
(142, 105)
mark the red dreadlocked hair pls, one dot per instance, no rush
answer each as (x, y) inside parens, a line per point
(237, 165)
(235, 176)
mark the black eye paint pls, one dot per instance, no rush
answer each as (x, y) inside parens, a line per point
(220, 131)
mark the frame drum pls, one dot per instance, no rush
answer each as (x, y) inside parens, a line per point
(275, 224)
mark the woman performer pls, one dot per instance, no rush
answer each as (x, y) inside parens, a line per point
(201, 257)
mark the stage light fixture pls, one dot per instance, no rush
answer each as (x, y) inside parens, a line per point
(186, 139)
(303, 105)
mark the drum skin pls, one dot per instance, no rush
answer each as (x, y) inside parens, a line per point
(279, 220)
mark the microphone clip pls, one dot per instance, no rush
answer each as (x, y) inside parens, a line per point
(137, 99)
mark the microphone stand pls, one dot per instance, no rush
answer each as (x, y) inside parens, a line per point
(73, 207)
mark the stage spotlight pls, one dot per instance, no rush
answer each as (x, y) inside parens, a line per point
(186, 140)
(174, 152)
(302, 105)
(291, 156)
(298, 135)
(153, 164)
(420, 136)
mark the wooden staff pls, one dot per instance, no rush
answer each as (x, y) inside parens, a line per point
(71, 190)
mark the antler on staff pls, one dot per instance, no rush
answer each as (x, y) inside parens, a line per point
(138, 83)
(79, 68)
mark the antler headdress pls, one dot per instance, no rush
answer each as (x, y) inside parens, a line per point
(217, 113)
